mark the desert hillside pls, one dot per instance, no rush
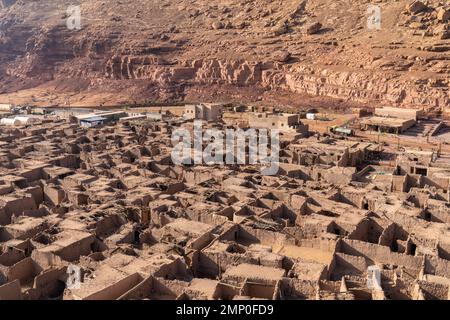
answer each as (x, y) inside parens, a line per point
(174, 50)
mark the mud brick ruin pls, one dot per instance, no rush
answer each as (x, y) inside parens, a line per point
(106, 204)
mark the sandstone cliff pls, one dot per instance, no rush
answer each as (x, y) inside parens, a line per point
(158, 50)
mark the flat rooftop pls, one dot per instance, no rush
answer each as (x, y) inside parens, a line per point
(385, 122)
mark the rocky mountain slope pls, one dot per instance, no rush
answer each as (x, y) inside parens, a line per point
(164, 50)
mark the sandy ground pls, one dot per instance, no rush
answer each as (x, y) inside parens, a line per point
(305, 253)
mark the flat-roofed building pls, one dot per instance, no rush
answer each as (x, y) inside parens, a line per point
(387, 125)
(278, 121)
(107, 115)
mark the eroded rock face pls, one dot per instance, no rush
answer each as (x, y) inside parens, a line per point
(364, 87)
(443, 14)
(172, 46)
(416, 7)
(360, 86)
(442, 31)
